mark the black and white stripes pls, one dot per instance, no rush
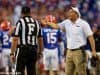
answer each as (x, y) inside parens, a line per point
(27, 29)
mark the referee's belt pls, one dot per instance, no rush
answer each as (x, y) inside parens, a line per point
(80, 48)
(27, 45)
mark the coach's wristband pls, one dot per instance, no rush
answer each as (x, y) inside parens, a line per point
(11, 54)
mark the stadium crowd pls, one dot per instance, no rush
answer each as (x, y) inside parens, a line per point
(89, 9)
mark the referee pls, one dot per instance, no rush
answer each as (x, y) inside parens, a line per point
(25, 44)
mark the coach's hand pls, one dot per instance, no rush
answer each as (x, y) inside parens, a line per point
(94, 61)
(12, 58)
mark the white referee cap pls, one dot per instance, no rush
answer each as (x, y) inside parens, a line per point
(76, 10)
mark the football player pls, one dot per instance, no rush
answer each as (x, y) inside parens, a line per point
(51, 38)
(6, 45)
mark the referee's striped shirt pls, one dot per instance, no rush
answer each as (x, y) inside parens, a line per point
(28, 30)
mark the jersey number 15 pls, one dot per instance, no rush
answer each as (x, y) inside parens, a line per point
(51, 37)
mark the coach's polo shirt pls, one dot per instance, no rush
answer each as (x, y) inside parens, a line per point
(76, 33)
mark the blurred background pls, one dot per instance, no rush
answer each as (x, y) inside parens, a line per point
(90, 9)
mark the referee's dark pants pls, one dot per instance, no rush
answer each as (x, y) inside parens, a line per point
(26, 57)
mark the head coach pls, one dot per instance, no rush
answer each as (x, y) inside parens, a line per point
(77, 32)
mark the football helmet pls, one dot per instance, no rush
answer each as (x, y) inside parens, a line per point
(51, 18)
(5, 25)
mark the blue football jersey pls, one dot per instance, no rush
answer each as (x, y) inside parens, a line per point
(51, 37)
(1, 41)
(6, 40)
